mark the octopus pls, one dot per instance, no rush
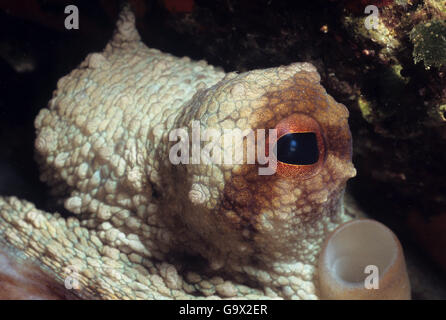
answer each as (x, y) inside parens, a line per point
(143, 227)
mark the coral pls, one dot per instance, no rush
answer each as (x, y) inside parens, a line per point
(179, 5)
(430, 233)
(398, 102)
(361, 247)
(366, 109)
(429, 40)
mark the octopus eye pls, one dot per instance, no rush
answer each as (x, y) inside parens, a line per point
(300, 147)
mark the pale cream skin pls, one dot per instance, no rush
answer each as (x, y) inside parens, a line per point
(145, 228)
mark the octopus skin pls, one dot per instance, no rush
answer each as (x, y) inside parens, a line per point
(144, 228)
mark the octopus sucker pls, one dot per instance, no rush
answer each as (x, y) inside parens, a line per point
(147, 227)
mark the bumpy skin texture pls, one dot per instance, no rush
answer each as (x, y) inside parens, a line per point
(146, 228)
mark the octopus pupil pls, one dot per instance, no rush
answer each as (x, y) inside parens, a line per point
(298, 148)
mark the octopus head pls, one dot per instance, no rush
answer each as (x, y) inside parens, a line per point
(293, 146)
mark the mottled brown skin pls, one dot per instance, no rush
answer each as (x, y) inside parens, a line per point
(187, 230)
(263, 221)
